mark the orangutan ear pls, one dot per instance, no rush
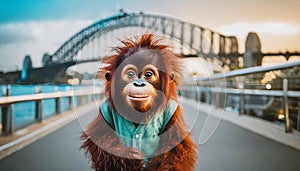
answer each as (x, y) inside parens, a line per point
(108, 76)
(172, 76)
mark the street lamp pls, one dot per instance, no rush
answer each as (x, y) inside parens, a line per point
(268, 86)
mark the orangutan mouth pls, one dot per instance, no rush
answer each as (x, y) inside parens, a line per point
(138, 97)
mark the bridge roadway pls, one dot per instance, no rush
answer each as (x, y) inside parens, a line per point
(231, 148)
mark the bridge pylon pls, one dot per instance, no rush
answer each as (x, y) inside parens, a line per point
(253, 55)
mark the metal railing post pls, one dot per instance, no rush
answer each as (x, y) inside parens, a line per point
(38, 106)
(288, 122)
(7, 112)
(198, 89)
(208, 96)
(58, 105)
(7, 119)
(220, 98)
(242, 99)
(217, 94)
(70, 102)
(39, 110)
(298, 119)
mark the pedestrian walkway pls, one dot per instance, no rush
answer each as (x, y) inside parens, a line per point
(230, 147)
(262, 127)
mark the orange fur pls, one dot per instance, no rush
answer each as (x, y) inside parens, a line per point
(176, 150)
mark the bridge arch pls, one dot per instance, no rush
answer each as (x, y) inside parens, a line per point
(200, 40)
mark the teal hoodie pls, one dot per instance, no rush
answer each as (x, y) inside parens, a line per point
(144, 137)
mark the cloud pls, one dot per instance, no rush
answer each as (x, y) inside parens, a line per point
(34, 38)
(10, 33)
(273, 28)
(266, 30)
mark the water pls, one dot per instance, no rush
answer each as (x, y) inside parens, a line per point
(24, 113)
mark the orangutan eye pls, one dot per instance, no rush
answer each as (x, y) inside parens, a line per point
(148, 74)
(130, 74)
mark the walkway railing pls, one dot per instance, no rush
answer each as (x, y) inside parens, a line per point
(241, 91)
(6, 104)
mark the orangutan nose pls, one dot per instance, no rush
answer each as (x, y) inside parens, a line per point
(139, 83)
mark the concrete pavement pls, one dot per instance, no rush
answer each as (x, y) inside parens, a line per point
(230, 147)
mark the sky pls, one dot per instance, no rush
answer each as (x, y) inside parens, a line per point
(34, 27)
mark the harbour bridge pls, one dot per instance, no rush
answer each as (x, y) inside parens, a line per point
(187, 40)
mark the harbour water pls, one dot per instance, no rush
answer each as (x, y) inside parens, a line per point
(24, 113)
